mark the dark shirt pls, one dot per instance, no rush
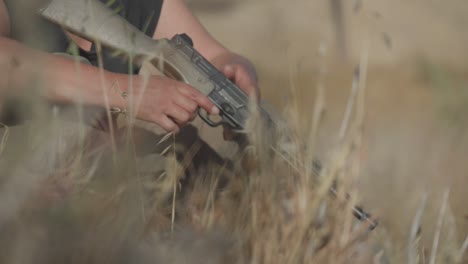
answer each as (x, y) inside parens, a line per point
(41, 34)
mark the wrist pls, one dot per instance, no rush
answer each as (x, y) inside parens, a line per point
(123, 89)
(117, 91)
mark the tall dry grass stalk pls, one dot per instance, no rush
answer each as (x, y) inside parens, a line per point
(270, 205)
(121, 201)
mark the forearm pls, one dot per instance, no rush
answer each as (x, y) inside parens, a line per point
(58, 79)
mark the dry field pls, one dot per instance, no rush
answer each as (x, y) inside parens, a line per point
(113, 207)
(415, 136)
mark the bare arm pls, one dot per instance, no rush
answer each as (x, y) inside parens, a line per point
(21, 65)
(58, 76)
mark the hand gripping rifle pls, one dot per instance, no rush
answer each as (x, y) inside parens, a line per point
(176, 58)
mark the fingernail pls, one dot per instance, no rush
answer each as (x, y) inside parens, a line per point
(214, 110)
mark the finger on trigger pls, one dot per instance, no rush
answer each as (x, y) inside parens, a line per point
(201, 100)
(205, 103)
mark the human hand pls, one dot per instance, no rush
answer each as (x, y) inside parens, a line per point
(169, 103)
(240, 71)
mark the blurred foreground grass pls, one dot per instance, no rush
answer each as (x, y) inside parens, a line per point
(120, 207)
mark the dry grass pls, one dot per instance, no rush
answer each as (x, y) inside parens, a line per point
(268, 207)
(86, 202)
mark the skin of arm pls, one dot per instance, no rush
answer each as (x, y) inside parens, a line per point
(234, 66)
(19, 65)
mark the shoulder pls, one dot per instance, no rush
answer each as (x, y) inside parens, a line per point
(4, 20)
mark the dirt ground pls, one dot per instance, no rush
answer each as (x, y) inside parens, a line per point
(415, 137)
